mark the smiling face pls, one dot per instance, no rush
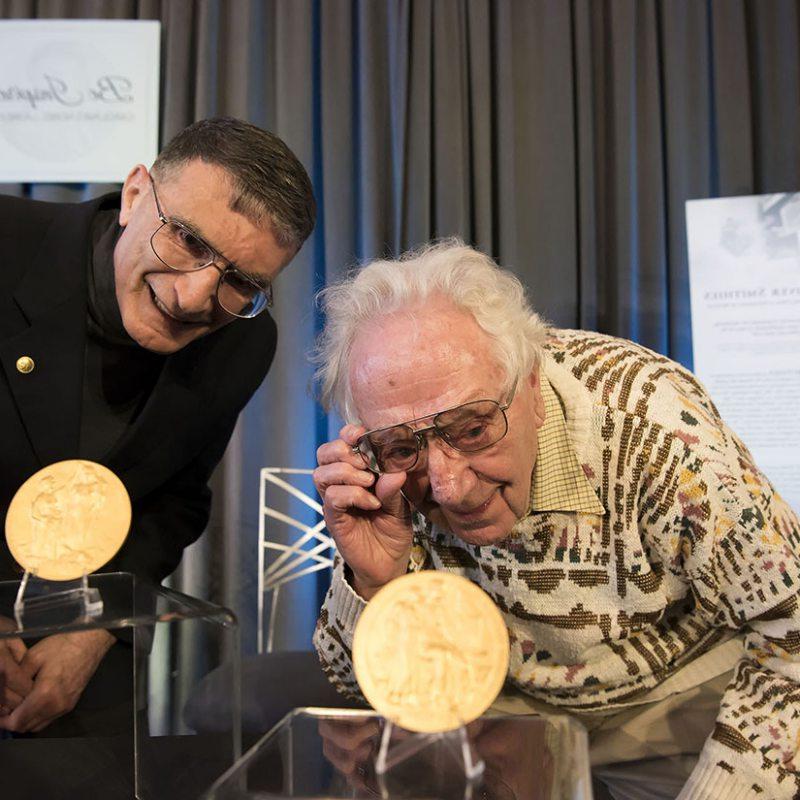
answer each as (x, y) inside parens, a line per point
(410, 365)
(163, 310)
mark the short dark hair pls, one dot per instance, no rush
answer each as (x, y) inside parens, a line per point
(268, 179)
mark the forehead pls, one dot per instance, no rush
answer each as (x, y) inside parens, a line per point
(414, 363)
(199, 195)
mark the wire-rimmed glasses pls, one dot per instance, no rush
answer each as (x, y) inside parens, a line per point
(468, 428)
(178, 247)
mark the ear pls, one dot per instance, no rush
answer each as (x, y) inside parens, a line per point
(534, 379)
(133, 190)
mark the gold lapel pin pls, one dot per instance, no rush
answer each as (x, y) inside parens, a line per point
(25, 364)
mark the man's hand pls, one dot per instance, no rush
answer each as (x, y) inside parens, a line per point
(350, 746)
(15, 681)
(369, 520)
(61, 666)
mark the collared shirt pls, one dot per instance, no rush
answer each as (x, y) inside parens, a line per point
(559, 482)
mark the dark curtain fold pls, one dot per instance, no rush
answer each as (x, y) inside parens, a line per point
(561, 136)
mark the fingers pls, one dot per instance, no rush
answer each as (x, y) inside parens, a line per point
(24, 717)
(341, 449)
(16, 679)
(60, 666)
(341, 473)
(343, 490)
(44, 704)
(349, 746)
(342, 479)
(344, 499)
(9, 700)
(16, 647)
(388, 490)
(340, 465)
(351, 433)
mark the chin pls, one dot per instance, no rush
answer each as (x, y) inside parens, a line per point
(164, 343)
(161, 348)
(161, 345)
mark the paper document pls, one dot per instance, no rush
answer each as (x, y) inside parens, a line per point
(744, 269)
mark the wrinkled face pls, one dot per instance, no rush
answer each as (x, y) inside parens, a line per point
(405, 367)
(163, 310)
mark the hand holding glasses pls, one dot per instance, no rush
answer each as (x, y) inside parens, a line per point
(360, 477)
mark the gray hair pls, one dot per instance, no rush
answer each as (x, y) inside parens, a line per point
(469, 279)
(267, 179)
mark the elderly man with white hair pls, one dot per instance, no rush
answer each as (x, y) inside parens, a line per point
(646, 570)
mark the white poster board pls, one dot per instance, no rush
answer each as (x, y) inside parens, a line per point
(78, 99)
(744, 270)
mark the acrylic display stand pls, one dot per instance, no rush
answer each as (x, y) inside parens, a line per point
(346, 753)
(167, 644)
(392, 752)
(41, 602)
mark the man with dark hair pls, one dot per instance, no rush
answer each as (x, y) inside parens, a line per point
(144, 316)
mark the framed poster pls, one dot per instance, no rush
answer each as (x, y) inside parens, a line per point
(78, 99)
(744, 274)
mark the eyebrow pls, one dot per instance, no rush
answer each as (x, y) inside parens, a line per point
(408, 423)
(260, 280)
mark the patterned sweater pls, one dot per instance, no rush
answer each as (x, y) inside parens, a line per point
(665, 541)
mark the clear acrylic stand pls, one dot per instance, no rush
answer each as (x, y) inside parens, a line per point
(61, 602)
(456, 742)
(178, 700)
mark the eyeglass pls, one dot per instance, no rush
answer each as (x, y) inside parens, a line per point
(468, 428)
(178, 247)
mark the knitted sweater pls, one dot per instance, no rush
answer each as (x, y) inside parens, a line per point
(606, 600)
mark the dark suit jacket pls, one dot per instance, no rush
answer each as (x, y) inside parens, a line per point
(167, 455)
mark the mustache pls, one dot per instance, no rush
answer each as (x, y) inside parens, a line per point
(186, 319)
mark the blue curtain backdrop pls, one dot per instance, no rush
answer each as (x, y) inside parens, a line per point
(561, 136)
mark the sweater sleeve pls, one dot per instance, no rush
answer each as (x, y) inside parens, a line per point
(333, 637)
(341, 609)
(744, 568)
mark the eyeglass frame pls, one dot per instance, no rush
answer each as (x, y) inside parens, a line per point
(420, 434)
(267, 290)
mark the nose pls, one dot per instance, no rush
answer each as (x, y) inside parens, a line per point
(195, 291)
(449, 475)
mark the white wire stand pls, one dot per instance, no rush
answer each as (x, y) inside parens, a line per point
(392, 753)
(42, 603)
(311, 552)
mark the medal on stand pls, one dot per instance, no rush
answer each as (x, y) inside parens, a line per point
(430, 653)
(65, 522)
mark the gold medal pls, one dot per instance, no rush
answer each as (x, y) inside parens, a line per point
(67, 520)
(430, 651)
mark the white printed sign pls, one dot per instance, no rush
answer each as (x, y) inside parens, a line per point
(78, 99)
(744, 269)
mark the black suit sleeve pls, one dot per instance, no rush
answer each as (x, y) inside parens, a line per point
(170, 518)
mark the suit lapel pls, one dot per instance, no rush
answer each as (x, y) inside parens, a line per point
(52, 300)
(49, 397)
